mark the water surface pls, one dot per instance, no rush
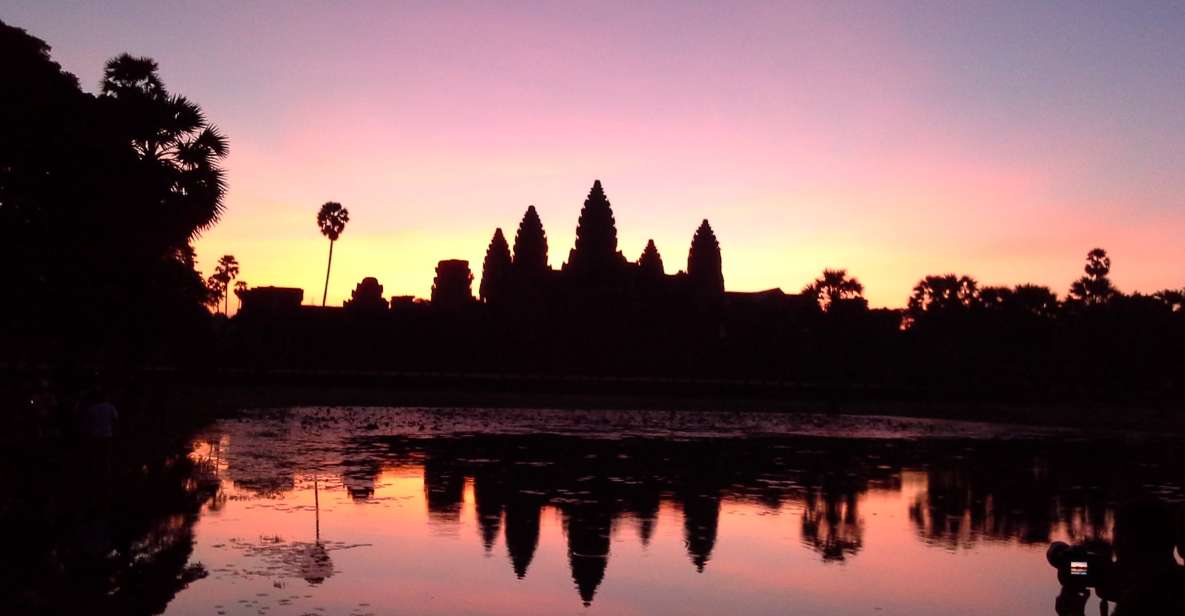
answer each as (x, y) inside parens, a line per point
(471, 511)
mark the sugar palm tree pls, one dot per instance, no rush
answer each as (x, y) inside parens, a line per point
(332, 219)
(177, 148)
(833, 287)
(227, 270)
(240, 289)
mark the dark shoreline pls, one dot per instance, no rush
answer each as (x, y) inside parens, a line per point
(453, 391)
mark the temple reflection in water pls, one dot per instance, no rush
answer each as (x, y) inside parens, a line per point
(955, 493)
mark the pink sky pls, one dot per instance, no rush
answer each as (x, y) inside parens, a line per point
(1001, 141)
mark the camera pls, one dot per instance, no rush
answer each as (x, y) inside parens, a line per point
(1084, 565)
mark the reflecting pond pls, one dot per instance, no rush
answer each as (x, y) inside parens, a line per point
(474, 511)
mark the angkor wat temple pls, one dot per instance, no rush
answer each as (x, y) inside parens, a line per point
(596, 273)
(600, 312)
(629, 325)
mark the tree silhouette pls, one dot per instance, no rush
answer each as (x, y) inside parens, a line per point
(495, 270)
(367, 297)
(240, 289)
(942, 295)
(1173, 298)
(651, 262)
(331, 219)
(530, 243)
(1095, 287)
(219, 282)
(833, 287)
(98, 218)
(178, 149)
(1025, 299)
(703, 261)
(596, 235)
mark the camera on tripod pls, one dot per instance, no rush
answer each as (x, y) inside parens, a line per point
(1084, 565)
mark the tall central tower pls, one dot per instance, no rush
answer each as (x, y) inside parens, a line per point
(596, 236)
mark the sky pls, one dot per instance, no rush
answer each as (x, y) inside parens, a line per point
(996, 139)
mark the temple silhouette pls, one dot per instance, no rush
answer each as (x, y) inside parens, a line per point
(596, 276)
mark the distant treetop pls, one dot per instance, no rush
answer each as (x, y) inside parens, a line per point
(1095, 287)
(332, 219)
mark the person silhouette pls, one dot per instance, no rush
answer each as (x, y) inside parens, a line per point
(1143, 579)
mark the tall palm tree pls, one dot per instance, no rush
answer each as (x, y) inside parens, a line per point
(332, 219)
(240, 289)
(179, 151)
(227, 270)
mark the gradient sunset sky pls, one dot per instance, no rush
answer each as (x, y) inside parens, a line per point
(1000, 140)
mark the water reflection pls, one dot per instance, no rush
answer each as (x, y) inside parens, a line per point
(525, 487)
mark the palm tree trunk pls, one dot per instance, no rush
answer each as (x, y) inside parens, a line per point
(327, 268)
(226, 301)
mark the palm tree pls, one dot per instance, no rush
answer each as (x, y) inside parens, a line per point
(332, 219)
(833, 287)
(1095, 287)
(226, 271)
(177, 148)
(240, 289)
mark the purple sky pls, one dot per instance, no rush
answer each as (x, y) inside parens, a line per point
(1001, 140)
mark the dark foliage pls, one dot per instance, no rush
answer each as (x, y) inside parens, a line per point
(1095, 287)
(100, 197)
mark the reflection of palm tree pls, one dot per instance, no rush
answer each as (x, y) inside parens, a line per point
(831, 523)
(315, 564)
(331, 219)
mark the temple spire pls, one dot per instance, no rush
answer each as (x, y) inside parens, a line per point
(596, 235)
(703, 261)
(530, 243)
